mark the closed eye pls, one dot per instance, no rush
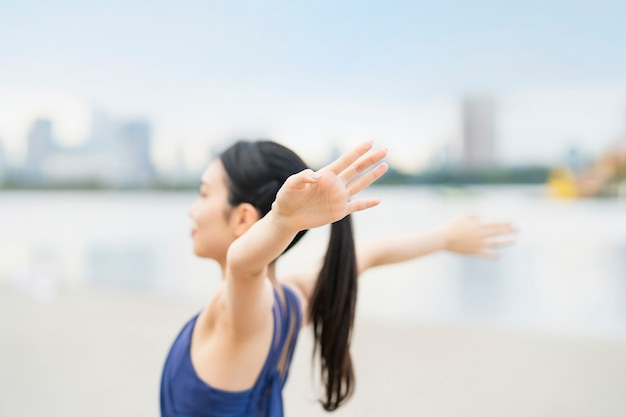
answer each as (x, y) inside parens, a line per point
(203, 190)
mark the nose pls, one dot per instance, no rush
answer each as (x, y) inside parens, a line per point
(191, 210)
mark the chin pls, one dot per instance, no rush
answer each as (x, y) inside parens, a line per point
(200, 252)
(197, 250)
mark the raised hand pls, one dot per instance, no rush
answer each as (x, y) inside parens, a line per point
(311, 199)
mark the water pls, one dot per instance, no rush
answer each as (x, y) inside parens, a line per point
(566, 271)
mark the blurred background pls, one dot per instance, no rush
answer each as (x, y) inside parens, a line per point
(109, 112)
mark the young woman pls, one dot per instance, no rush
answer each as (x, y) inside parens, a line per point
(256, 201)
(233, 357)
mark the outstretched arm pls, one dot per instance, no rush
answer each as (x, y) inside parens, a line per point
(306, 200)
(465, 235)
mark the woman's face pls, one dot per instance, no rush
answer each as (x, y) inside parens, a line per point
(211, 231)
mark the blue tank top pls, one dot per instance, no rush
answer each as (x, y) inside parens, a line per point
(184, 394)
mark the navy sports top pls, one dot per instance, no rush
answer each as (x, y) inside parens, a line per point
(184, 394)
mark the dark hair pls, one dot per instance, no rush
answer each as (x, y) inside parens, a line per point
(255, 172)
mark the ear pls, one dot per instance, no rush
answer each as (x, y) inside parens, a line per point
(242, 217)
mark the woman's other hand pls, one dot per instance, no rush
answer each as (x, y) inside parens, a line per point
(468, 235)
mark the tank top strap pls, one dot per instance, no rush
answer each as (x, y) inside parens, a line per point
(287, 319)
(292, 317)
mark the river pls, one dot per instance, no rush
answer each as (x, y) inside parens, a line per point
(565, 272)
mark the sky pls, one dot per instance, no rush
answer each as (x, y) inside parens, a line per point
(317, 74)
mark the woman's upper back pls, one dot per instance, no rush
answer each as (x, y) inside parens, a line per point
(184, 393)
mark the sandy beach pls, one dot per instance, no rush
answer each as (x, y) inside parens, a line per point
(98, 352)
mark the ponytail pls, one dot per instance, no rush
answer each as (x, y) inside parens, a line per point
(332, 310)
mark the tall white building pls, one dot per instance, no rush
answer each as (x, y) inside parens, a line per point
(478, 146)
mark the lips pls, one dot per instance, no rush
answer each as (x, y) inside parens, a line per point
(194, 228)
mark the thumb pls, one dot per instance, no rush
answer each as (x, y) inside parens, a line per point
(302, 178)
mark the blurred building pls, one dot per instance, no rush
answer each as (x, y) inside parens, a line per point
(127, 153)
(39, 145)
(114, 155)
(136, 137)
(478, 144)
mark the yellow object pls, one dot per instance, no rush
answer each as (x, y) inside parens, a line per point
(562, 183)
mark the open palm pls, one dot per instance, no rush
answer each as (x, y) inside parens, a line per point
(311, 199)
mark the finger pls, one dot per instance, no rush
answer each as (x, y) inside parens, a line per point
(498, 242)
(497, 229)
(348, 158)
(367, 179)
(302, 178)
(362, 204)
(362, 164)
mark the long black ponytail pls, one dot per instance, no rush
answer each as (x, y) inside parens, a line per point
(331, 310)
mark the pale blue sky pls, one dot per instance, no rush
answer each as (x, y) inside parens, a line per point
(315, 73)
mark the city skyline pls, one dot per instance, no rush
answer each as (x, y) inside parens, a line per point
(318, 75)
(475, 142)
(115, 154)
